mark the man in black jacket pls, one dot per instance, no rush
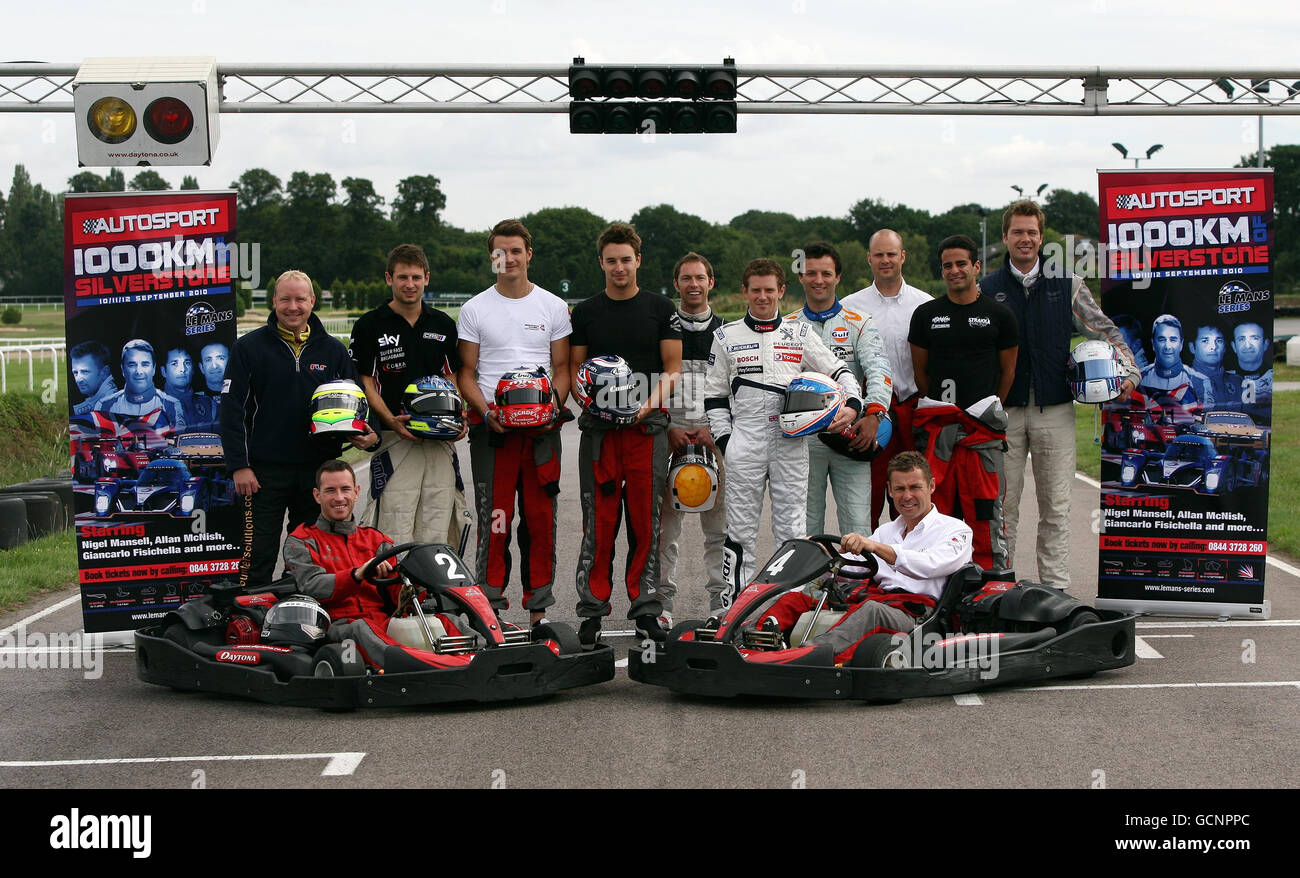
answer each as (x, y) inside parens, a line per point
(266, 420)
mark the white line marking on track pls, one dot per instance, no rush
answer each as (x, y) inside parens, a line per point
(338, 763)
(1280, 565)
(968, 699)
(1167, 636)
(1144, 650)
(621, 663)
(1292, 683)
(1240, 623)
(52, 608)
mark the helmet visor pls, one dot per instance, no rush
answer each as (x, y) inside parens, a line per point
(807, 401)
(523, 396)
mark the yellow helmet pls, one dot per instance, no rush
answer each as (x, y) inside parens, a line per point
(693, 477)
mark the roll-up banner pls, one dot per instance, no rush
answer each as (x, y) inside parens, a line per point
(1185, 460)
(150, 311)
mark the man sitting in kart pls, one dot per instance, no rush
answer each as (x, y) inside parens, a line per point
(327, 559)
(917, 552)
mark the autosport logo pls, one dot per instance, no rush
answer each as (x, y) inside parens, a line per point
(1243, 196)
(162, 221)
(201, 317)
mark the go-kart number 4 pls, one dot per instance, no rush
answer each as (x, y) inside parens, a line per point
(777, 563)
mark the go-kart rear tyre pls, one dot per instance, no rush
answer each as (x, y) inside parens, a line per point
(564, 636)
(676, 632)
(332, 660)
(1081, 618)
(872, 651)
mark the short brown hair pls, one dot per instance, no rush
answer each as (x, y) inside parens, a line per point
(763, 268)
(905, 462)
(692, 257)
(510, 228)
(1024, 207)
(336, 466)
(618, 233)
(407, 254)
(818, 249)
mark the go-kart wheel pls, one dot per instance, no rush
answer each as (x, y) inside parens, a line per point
(368, 571)
(676, 632)
(1081, 618)
(332, 660)
(878, 651)
(564, 636)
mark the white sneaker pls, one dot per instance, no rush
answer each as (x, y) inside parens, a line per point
(666, 620)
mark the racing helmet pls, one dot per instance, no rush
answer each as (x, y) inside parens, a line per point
(1096, 371)
(339, 409)
(607, 389)
(298, 620)
(839, 443)
(524, 398)
(435, 408)
(693, 478)
(811, 401)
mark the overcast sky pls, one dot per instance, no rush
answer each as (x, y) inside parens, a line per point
(493, 166)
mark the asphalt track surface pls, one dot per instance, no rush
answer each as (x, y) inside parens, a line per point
(1209, 705)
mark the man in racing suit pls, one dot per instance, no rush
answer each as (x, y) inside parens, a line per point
(326, 560)
(751, 363)
(693, 279)
(917, 552)
(852, 337)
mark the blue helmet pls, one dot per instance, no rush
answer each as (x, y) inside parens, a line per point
(607, 388)
(435, 408)
(811, 401)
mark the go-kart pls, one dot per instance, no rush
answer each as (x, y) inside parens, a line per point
(978, 634)
(212, 644)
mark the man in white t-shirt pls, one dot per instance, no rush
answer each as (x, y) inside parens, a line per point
(890, 301)
(511, 325)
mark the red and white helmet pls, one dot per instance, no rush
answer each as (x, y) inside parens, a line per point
(525, 398)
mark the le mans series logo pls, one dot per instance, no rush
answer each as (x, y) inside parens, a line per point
(201, 317)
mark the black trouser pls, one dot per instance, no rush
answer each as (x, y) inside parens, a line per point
(283, 488)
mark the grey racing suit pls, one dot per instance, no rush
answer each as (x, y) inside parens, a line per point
(750, 365)
(851, 336)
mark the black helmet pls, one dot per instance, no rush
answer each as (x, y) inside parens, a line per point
(435, 408)
(298, 620)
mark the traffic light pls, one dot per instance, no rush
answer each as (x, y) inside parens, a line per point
(674, 100)
(146, 111)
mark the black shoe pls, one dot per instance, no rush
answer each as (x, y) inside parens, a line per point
(589, 632)
(648, 627)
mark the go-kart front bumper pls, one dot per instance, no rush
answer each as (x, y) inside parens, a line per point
(500, 674)
(720, 669)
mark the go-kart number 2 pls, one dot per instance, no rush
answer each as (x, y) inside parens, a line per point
(453, 572)
(777, 563)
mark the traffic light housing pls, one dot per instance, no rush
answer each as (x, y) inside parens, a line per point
(146, 111)
(674, 100)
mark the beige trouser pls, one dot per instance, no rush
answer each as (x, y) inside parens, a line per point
(1048, 435)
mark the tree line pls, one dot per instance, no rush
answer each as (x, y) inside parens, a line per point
(339, 232)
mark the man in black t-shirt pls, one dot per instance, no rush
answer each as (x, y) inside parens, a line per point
(964, 350)
(622, 470)
(395, 345)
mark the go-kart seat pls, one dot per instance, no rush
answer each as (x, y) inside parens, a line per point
(964, 580)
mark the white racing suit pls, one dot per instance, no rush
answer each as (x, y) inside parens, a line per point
(750, 365)
(852, 337)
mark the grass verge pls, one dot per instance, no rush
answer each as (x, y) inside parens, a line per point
(43, 565)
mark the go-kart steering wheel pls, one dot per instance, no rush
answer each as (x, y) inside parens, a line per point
(831, 543)
(368, 570)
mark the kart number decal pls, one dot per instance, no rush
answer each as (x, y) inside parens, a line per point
(453, 572)
(777, 563)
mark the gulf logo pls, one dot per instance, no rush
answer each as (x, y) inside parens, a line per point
(840, 334)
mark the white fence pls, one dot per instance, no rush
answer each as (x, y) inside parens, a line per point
(47, 349)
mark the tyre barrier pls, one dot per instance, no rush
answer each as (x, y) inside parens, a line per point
(44, 513)
(13, 522)
(64, 488)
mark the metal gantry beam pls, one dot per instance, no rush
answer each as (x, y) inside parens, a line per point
(1039, 91)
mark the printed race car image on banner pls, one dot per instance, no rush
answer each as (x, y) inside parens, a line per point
(1185, 459)
(150, 310)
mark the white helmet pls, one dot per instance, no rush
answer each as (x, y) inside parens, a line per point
(811, 401)
(1095, 371)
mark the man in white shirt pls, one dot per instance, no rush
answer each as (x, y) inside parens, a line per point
(917, 552)
(890, 301)
(511, 325)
